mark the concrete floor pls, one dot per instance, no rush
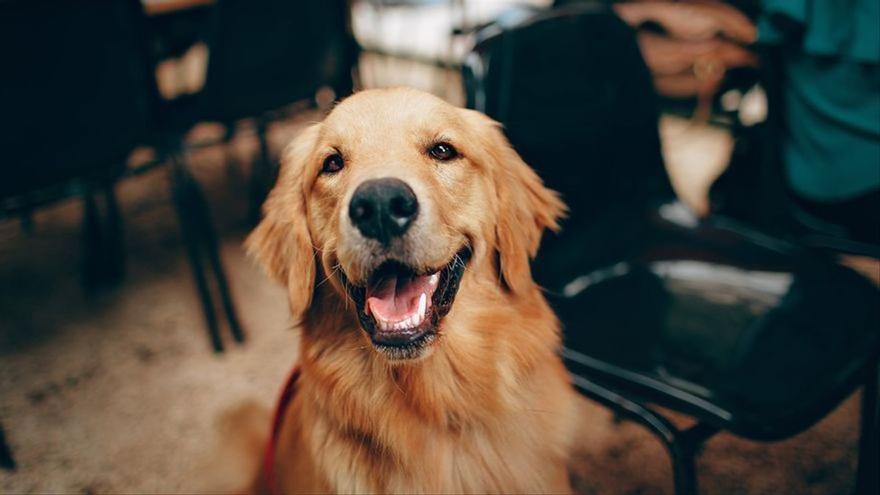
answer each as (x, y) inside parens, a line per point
(118, 392)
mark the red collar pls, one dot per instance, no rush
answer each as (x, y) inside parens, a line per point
(280, 410)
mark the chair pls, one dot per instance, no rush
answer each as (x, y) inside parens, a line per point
(741, 330)
(79, 96)
(262, 56)
(265, 55)
(76, 100)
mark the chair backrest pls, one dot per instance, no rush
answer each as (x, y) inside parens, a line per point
(577, 102)
(76, 90)
(265, 54)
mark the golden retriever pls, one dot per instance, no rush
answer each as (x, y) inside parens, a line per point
(402, 228)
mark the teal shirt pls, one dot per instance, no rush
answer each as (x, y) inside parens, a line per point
(831, 95)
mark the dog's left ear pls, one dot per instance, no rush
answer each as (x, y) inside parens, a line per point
(281, 243)
(524, 206)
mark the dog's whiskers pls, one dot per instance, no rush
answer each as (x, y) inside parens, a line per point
(332, 272)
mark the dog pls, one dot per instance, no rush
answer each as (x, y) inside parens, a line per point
(403, 228)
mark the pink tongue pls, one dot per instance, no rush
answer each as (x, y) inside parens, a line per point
(394, 298)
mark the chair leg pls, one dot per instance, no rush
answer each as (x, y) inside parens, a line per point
(208, 309)
(203, 248)
(104, 262)
(867, 482)
(225, 298)
(188, 201)
(6, 459)
(212, 250)
(683, 451)
(113, 242)
(682, 446)
(683, 470)
(91, 242)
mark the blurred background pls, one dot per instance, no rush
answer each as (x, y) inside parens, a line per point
(716, 279)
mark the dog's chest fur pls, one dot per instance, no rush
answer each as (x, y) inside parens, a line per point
(387, 446)
(375, 435)
(484, 413)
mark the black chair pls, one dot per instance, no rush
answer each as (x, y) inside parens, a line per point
(263, 56)
(743, 331)
(79, 96)
(76, 100)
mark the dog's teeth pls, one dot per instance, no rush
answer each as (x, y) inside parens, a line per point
(434, 279)
(423, 306)
(410, 322)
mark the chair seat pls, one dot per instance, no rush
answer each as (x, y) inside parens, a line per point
(740, 330)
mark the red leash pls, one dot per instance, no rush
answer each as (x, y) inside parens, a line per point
(280, 409)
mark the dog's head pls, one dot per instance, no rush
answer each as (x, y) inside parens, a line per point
(395, 200)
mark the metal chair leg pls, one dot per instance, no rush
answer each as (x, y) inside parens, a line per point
(203, 250)
(682, 446)
(225, 299)
(683, 451)
(212, 251)
(867, 482)
(683, 470)
(187, 202)
(104, 262)
(113, 241)
(204, 292)
(6, 459)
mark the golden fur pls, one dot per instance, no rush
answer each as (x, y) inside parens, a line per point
(490, 407)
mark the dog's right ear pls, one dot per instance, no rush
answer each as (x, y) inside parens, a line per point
(525, 206)
(281, 243)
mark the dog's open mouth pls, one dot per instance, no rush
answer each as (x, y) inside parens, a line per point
(401, 308)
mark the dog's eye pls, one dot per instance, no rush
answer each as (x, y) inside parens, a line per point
(442, 151)
(333, 164)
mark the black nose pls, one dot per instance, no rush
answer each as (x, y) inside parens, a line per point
(383, 209)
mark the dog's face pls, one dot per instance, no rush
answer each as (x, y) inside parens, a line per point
(394, 199)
